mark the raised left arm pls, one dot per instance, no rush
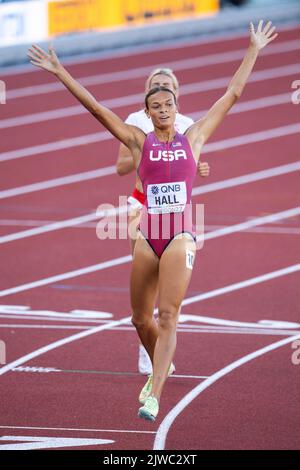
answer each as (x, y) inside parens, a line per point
(129, 135)
(203, 129)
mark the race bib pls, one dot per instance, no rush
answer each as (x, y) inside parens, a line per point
(166, 198)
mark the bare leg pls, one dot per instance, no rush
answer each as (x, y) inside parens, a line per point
(143, 287)
(134, 217)
(174, 278)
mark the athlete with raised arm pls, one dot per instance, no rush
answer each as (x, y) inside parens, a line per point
(125, 165)
(164, 158)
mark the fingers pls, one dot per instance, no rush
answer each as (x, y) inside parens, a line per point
(259, 28)
(39, 52)
(267, 27)
(203, 164)
(203, 168)
(32, 54)
(272, 37)
(51, 49)
(266, 30)
(270, 32)
(37, 64)
(36, 53)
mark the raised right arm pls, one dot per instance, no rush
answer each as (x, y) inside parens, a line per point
(128, 135)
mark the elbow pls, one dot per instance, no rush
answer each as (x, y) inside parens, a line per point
(237, 92)
(120, 168)
(237, 95)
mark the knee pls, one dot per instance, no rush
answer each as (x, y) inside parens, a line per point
(140, 321)
(167, 318)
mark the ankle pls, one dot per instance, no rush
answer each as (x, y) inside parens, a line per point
(152, 395)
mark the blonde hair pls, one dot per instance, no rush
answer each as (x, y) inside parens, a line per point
(163, 71)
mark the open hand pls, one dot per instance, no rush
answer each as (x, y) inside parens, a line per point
(262, 36)
(41, 59)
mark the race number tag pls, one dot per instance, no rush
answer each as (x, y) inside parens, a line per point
(166, 198)
(189, 259)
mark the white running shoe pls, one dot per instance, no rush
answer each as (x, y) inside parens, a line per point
(145, 365)
(150, 409)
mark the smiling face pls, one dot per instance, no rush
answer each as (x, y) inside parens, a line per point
(162, 109)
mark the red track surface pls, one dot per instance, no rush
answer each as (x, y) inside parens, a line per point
(94, 396)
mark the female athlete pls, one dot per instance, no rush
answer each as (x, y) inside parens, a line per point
(125, 164)
(166, 162)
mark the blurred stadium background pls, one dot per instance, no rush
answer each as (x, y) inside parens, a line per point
(103, 25)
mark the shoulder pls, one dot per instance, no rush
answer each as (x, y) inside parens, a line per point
(183, 123)
(133, 118)
(140, 120)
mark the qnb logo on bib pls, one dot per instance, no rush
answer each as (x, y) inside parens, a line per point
(166, 198)
(167, 155)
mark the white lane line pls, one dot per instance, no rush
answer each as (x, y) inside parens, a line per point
(51, 227)
(38, 317)
(43, 428)
(180, 329)
(268, 134)
(62, 342)
(243, 284)
(40, 370)
(137, 99)
(162, 432)
(56, 182)
(142, 72)
(63, 224)
(110, 170)
(25, 313)
(54, 146)
(76, 315)
(231, 331)
(112, 324)
(44, 327)
(267, 219)
(186, 321)
(68, 275)
(48, 442)
(251, 105)
(125, 259)
(246, 179)
(47, 370)
(276, 230)
(260, 324)
(39, 223)
(189, 376)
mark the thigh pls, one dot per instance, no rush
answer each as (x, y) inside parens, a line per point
(175, 270)
(144, 278)
(134, 217)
